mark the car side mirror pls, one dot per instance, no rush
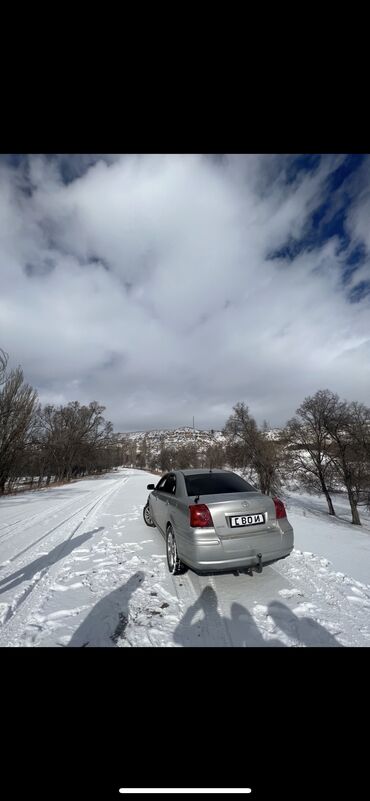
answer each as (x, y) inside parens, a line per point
(151, 486)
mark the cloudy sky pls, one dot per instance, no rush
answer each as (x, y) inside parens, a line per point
(171, 286)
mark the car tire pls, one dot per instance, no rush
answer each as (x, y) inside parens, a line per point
(175, 565)
(146, 515)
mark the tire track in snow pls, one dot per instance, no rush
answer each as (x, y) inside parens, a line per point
(38, 496)
(66, 520)
(28, 522)
(329, 601)
(10, 618)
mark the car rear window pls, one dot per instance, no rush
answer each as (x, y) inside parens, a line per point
(216, 483)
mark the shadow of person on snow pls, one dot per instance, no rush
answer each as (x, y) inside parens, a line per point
(308, 631)
(245, 633)
(45, 561)
(209, 627)
(202, 625)
(212, 629)
(106, 623)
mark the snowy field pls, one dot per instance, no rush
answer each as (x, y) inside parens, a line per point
(79, 568)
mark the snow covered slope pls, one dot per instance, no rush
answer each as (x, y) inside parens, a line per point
(79, 568)
(173, 438)
(347, 546)
(178, 437)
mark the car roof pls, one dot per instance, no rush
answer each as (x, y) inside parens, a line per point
(201, 471)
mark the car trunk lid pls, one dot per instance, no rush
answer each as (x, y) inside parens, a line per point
(240, 514)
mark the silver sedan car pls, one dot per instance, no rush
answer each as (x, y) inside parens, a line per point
(213, 521)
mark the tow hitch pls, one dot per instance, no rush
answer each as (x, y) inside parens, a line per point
(258, 566)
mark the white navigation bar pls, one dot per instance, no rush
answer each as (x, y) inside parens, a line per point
(186, 790)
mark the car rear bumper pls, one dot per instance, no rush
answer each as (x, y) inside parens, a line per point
(216, 554)
(202, 566)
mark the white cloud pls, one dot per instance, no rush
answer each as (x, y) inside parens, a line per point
(148, 284)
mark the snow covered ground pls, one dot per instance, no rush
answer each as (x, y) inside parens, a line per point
(347, 546)
(79, 568)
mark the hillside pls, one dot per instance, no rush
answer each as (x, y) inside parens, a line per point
(173, 438)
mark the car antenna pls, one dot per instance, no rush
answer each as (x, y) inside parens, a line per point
(196, 499)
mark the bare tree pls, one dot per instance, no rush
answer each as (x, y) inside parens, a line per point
(129, 451)
(153, 461)
(256, 450)
(234, 454)
(17, 408)
(214, 456)
(74, 440)
(348, 425)
(308, 440)
(50, 443)
(185, 456)
(3, 365)
(143, 454)
(267, 463)
(166, 458)
(241, 429)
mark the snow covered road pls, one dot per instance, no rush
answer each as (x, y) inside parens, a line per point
(79, 568)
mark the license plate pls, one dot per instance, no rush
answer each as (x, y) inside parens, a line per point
(247, 520)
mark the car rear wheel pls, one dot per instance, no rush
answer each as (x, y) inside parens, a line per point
(175, 565)
(147, 518)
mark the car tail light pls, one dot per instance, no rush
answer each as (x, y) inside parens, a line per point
(200, 516)
(279, 508)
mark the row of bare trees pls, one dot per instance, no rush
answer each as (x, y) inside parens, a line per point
(46, 444)
(190, 455)
(324, 448)
(167, 457)
(327, 447)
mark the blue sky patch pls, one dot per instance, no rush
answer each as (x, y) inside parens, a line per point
(328, 219)
(359, 292)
